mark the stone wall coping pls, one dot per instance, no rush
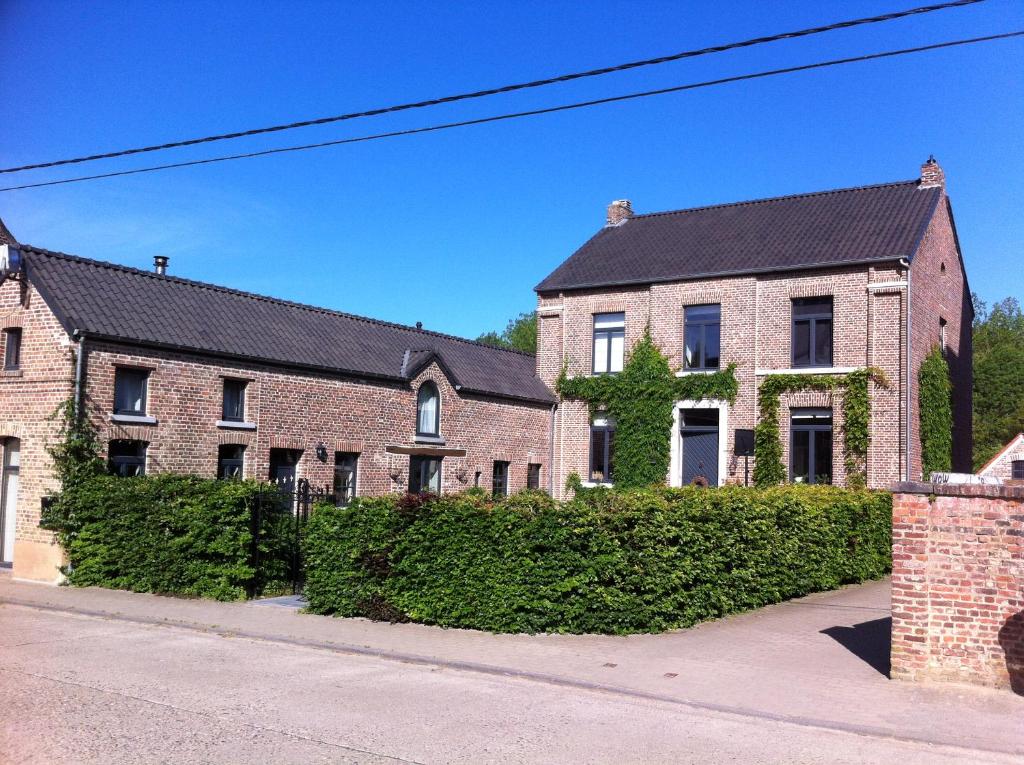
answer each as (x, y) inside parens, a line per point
(990, 491)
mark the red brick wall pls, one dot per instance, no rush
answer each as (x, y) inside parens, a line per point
(937, 292)
(27, 399)
(299, 411)
(958, 584)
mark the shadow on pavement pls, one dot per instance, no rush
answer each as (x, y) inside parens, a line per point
(1011, 639)
(868, 641)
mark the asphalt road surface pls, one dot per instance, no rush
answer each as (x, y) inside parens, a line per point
(77, 689)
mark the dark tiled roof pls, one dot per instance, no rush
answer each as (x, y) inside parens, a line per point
(114, 302)
(828, 228)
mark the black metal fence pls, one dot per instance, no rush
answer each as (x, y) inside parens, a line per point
(279, 517)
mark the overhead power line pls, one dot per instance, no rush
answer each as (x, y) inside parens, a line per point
(531, 112)
(505, 88)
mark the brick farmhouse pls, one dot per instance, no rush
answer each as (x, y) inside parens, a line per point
(822, 283)
(180, 376)
(183, 376)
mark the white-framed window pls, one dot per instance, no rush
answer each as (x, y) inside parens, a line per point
(428, 410)
(130, 390)
(609, 342)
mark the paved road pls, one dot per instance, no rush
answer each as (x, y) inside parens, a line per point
(78, 689)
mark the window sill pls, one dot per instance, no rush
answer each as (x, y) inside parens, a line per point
(688, 372)
(236, 425)
(11, 373)
(133, 419)
(808, 371)
(596, 484)
(436, 440)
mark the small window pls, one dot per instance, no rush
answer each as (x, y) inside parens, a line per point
(810, 446)
(1017, 470)
(12, 348)
(702, 329)
(499, 479)
(234, 400)
(609, 342)
(942, 335)
(230, 461)
(602, 453)
(344, 477)
(428, 410)
(812, 332)
(424, 474)
(533, 476)
(130, 391)
(127, 458)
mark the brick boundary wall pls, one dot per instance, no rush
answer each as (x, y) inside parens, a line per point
(958, 584)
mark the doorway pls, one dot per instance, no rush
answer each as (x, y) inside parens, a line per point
(283, 463)
(9, 498)
(698, 429)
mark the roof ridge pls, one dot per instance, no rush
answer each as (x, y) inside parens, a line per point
(266, 298)
(764, 200)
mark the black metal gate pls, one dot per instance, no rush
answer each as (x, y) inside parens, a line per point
(278, 520)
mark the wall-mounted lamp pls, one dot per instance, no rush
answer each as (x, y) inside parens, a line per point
(321, 452)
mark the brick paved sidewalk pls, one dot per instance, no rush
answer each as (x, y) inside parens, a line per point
(818, 661)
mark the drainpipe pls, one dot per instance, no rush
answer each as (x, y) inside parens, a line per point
(906, 264)
(79, 372)
(551, 451)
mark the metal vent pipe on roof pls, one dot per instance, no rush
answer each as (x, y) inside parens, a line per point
(160, 264)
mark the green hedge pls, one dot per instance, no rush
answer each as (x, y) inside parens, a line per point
(170, 534)
(609, 562)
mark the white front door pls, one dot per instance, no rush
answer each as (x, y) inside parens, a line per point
(9, 498)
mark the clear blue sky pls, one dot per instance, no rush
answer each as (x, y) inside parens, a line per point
(454, 229)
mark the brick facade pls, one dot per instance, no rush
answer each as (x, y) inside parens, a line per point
(289, 409)
(1001, 466)
(958, 584)
(870, 328)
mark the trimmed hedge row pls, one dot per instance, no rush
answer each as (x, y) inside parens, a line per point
(170, 534)
(606, 562)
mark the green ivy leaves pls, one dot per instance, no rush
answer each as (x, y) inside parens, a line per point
(935, 405)
(640, 400)
(768, 468)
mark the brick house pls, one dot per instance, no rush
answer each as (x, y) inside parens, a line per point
(821, 283)
(181, 376)
(1008, 463)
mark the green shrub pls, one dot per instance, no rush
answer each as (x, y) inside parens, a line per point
(608, 562)
(935, 408)
(171, 534)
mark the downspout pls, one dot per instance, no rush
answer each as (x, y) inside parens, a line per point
(906, 446)
(551, 451)
(79, 372)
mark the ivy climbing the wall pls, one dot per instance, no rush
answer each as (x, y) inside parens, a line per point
(768, 469)
(935, 408)
(640, 400)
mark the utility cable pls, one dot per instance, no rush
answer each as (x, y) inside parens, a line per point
(505, 88)
(531, 112)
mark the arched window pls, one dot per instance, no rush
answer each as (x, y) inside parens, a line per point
(428, 410)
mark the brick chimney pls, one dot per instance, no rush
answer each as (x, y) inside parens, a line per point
(619, 211)
(932, 175)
